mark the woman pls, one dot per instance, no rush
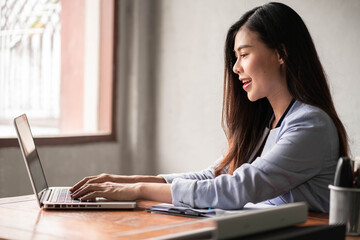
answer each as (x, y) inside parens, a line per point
(284, 135)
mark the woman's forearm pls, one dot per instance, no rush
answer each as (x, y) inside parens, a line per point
(159, 192)
(148, 179)
(137, 179)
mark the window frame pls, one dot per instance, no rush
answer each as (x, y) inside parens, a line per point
(86, 138)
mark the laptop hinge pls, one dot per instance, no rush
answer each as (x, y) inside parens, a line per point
(44, 195)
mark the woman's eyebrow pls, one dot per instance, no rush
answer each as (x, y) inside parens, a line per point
(242, 46)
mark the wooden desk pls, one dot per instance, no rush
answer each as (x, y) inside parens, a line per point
(21, 218)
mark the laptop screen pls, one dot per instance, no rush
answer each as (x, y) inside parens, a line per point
(30, 154)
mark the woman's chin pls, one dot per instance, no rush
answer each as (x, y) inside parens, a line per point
(252, 98)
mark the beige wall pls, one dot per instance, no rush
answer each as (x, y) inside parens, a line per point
(170, 88)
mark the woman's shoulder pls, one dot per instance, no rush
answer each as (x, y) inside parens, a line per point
(305, 114)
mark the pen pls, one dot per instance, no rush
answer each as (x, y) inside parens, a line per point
(344, 173)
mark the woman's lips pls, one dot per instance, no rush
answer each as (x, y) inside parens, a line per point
(246, 82)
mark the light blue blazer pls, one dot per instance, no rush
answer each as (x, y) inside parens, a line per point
(297, 164)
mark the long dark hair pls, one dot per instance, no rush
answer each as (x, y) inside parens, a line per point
(243, 121)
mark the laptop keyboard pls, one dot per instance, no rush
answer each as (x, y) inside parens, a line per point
(63, 196)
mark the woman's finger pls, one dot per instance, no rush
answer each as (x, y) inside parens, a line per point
(91, 195)
(85, 189)
(81, 183)
(92, 179)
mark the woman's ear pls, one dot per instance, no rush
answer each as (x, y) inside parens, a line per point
(282, 54)
(280, 60)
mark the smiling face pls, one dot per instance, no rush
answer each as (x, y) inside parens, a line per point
(260, 68)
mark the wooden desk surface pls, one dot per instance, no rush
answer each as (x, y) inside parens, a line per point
(21, 218)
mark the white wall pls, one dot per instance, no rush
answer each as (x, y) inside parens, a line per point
(170, 121)
(190, 72)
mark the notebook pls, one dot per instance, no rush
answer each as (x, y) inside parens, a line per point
(53, 197)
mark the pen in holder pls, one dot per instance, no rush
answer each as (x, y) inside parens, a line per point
(345, 197)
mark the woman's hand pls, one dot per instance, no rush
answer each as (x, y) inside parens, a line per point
(160, 192)
(122, 188)
(102, 178)
(96, 179)
(108, 190)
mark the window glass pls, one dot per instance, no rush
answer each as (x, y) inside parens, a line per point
(52, 56)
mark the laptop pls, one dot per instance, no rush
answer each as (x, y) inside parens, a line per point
(53, 197)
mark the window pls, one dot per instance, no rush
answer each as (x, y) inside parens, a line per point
(56, 65)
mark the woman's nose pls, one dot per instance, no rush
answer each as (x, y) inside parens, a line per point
(237, 68)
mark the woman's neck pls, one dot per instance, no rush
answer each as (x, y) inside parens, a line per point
(279, 106)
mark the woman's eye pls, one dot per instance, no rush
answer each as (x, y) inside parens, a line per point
(243, 55)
